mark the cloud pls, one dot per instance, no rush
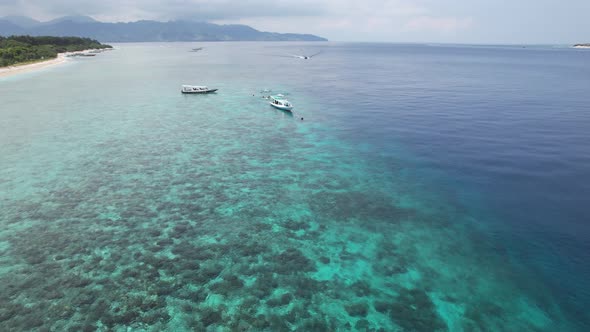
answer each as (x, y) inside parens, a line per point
(130, 10)
(369, 20)
(340, 19)
(438, 24)
(336, 19)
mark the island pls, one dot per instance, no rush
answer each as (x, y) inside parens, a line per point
(17, 50)
(143, 31)
(586, 45)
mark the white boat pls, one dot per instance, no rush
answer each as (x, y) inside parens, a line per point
(304, 57)
(196, 89)
(279, 102)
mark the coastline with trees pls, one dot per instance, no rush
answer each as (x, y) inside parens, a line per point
(25, 53)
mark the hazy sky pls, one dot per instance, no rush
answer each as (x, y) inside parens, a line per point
(461, 21)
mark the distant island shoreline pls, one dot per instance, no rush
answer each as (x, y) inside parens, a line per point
(20, 54)
(29, 67)
(143, 31)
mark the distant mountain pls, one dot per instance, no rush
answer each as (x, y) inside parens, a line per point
(8, 28)
(21, 21)
(143, 31)
(75, 19)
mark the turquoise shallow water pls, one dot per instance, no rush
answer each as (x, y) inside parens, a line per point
(126, 205)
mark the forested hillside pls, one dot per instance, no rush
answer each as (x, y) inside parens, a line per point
(21, 49)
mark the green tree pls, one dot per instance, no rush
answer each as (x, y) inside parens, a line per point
(17, 49)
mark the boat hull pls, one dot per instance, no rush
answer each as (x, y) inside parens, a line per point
(199, 92)
(281, 107)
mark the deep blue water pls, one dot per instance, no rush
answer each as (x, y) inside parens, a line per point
(506, 129)
(429, 187)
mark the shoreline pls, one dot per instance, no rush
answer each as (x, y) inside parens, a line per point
(26, 68)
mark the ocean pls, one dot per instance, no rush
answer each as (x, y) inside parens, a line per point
(414, 188)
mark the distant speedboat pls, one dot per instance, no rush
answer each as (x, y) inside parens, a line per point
(304, 57)
(196, 89)
(197, 49)
(279, 102)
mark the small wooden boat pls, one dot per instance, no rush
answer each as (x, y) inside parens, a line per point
(192, 89)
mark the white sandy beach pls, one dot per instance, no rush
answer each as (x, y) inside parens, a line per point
(13, 70)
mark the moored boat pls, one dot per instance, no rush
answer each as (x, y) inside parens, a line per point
(281, 103)
(196, 89)
(80, 54)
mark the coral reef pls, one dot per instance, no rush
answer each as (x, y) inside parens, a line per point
(183, 215)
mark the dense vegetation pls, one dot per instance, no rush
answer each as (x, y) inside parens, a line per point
(18, 49)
